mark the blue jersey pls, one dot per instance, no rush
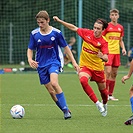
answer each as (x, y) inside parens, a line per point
(131, 55)
(48, 47)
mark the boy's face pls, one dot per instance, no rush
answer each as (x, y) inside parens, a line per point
(97, 29)
(42, 23)
(114, 16)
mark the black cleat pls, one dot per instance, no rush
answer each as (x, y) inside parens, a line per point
(129, 121)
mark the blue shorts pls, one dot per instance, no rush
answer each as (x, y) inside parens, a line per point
(44, 73)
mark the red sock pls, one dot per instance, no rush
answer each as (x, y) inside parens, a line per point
(107, 84)
(104, 95)
(111, 87)
(88, 90)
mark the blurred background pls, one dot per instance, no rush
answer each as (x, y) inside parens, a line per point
(18, 19)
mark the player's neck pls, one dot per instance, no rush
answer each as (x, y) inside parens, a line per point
(114, 23)
(46, 30)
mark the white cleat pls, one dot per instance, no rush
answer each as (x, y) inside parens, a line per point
(112, 98)
(105, 110)
(101, 108)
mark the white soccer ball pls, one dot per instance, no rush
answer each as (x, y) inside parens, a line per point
(22, 63)
(17, 112)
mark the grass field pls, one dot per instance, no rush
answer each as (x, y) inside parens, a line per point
(43, 116)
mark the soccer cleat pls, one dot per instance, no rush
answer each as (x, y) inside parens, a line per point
(112, 98)
(67, 114)
(104, 113)
(100, 108)
(129, 121)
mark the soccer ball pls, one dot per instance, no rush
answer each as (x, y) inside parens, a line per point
(17, 112)
(22, 63)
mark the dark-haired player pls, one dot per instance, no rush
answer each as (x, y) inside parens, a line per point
(94, 52)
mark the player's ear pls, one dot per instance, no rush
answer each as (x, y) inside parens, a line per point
(118, 15)
(48, 20)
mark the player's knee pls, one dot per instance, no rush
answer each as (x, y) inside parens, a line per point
(108, 73)
(113, 75)
(83, 81)
(54, 84)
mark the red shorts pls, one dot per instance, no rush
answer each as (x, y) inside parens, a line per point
(113, 60)
(97, 76)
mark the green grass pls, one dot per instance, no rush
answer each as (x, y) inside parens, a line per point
(43, 116)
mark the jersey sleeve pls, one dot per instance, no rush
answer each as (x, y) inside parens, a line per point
(32, 44)
(104, 48)
(61, 40)
(122, 33)
(82, 31)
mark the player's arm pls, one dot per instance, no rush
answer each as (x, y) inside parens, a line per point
(129, 52)
(122, 46)
(32, 63)
(124, 78)
(104, 57)
(68, 25)
(69, 53)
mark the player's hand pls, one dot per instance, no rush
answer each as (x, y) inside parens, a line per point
(124, 52)
(76, 67)
(33, 63)
(99, 54)
(124, 78)
(56, 18)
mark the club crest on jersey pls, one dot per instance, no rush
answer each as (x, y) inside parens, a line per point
(119, 29)
(88, 37)
(52, 38)
(98, 44)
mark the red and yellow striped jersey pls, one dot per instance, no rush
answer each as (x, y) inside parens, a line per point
(90, 47)
(112, 34)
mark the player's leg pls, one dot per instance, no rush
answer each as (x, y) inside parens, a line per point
(52, 93)
(84, 75)
(61, 101)
(89, 91)
(112, 83)
(104, 95)
(108, 69)
(115, 65)
(99, 77)
(130, 120)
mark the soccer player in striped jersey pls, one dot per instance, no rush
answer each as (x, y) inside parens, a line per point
(114, 36)
(47, 42)
(124, 78)
(94, 53)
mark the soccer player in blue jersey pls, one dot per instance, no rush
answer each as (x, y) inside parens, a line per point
(47, 42)
(124, 78)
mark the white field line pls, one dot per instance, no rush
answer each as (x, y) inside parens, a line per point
(72, 105)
